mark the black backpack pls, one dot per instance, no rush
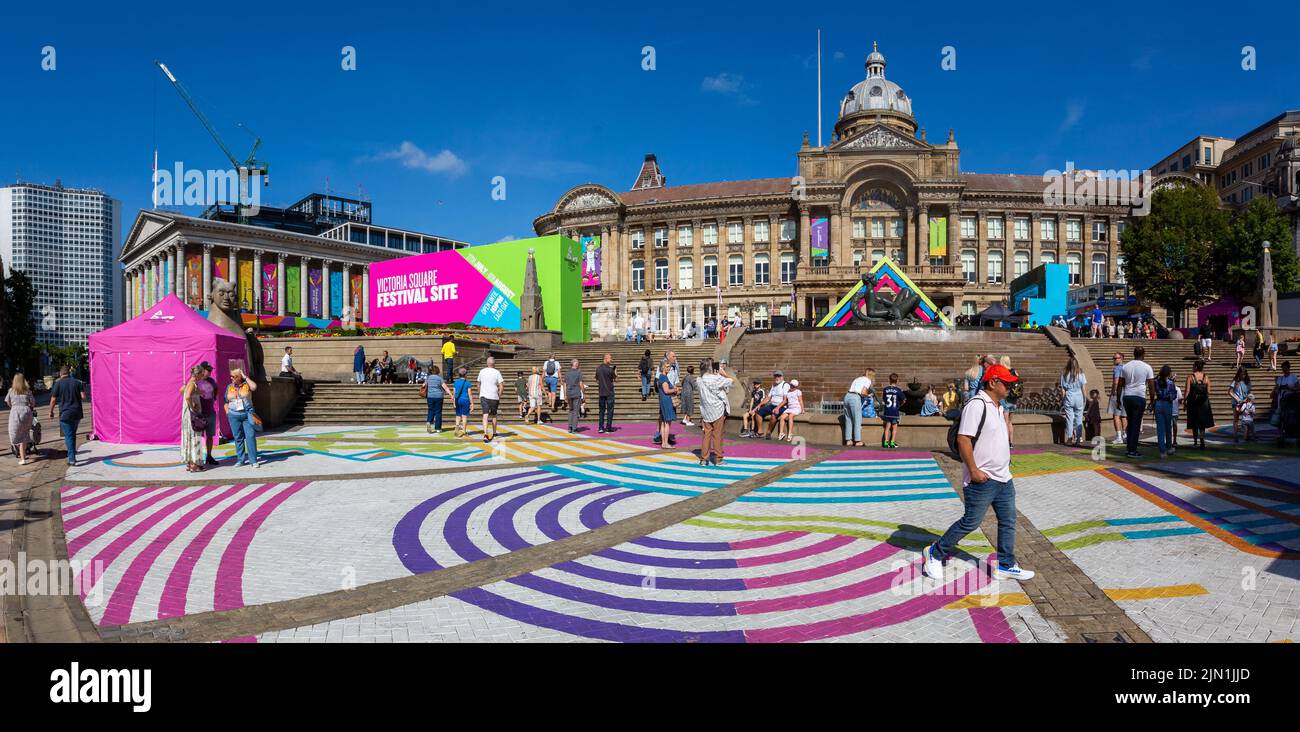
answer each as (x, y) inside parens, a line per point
(550, 367)
(956, 424)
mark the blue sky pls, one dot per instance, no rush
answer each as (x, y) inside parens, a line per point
(550, 95)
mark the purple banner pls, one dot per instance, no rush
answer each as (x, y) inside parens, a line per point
(313, 293)
(820, 244)
(270, 282)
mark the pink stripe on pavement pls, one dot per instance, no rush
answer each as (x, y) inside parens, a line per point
(122, 601)
(103, 527)
(894, 614)
(763, 541)
(177, 588)
(992, 626)
(871, 556)
(68, 518)
(868, 586)
(72, 493)
(105, 557)
(834, 542)
(229, 591)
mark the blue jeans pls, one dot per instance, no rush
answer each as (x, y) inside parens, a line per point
(978, 497)
(68, 428)
(245, 438)
(1134, 408)
(852, 417)
(1073, 406)
(645, 385)
(1164, 425)
(435, 413)
(360, 376)
(448, 369)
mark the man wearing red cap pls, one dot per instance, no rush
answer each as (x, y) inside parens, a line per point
(985, 451)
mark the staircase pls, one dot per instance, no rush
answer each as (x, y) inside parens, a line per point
(1179, 354)
(335, 403)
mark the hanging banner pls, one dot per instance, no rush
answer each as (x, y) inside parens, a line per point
(939, 237)
(221, 269)
(246, 300)
(591, 261)
(314, 292)
(354, 295)
(336, 294)
(194, 281)
(292, 291)
(820, 244)
(270, 283)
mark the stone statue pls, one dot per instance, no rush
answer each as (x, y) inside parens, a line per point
(873, 307)
(224, 312)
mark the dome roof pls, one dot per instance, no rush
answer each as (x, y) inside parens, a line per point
(876, 92)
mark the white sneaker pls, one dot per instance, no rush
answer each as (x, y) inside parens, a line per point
(1013, 573)
(930, 566)
(1117, 441)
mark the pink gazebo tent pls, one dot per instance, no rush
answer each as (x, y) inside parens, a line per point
(137, 370)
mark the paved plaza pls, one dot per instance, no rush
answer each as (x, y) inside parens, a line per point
(378, 534)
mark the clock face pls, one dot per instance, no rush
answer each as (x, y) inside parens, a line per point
(876, 198)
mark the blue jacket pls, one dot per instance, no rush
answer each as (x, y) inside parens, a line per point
(359, 360)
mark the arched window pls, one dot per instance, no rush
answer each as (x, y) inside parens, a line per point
(1098, 268)
(710, 271)
(661, 274)
(968, 264)
(736, 270)
(1047, 258)
(638, 275)
(1021, 264)
(995, 268)
(685, 274)
(1074, 261)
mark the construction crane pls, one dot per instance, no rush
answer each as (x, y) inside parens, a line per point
(249, 167)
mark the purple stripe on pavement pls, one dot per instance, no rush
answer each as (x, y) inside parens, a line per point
(1224, 523)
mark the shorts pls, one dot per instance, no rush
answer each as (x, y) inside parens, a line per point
(769, 410)
(534, 402)
(462, 408)
(891, 420)
(1115, 409)
(551, 382)
(489, 406)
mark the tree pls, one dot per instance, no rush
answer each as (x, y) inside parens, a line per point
(1169, 254)
(18, 324)
(1238, 256)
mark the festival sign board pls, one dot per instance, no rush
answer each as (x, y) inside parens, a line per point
(480, 285)
(820, 237)
(591, 261)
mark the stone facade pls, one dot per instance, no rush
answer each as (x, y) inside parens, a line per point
(746, 245)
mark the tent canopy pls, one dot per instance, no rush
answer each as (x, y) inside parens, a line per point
(137, 370)
(996, 311)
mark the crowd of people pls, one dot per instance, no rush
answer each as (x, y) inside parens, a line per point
(644, 329)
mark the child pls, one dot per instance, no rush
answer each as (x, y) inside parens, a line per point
(893, 398)
(1241, 349)
(793, 408)
(521, 393)
(951, 402)
(930, 407)
(464, 401)
(1246, 413)
(756, 398)
(1092, 415)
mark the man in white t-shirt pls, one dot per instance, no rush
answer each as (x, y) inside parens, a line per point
(1139, 383)
(772, 410)
(985, 449)
(489, 396)
(638, 325)
(287, 369)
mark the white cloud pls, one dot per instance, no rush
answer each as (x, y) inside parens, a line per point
(838, 56)
(411, 156)
(507, 237)
(728, 84)
(723, 83)
(1073, 113)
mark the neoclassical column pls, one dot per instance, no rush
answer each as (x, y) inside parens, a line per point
(838, 248)
(805, 238)
(1035, 239)
(279, 283)
(954, 232)
(347, 287)
(606, 261)
(923, 232)
(128, 304)
(909, 236)
(157, 279)
(325, 289)
(257, 280)
(365, 291)
(177, 281)
(303, 287)
(207, 276)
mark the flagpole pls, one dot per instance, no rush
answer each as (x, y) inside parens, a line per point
(819, 87)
